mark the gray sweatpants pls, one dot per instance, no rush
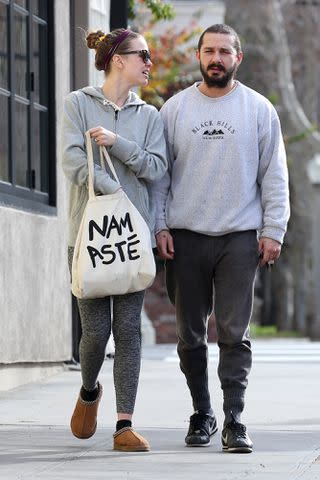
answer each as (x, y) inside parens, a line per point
(96, 326)
(229, 263)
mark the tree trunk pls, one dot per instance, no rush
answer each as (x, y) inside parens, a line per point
(267, 69)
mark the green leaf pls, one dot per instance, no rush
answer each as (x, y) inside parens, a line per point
(159, 9)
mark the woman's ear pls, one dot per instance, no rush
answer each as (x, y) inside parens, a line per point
(117, 61)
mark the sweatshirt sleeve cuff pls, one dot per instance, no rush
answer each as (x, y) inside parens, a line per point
(106, 186)
(160, 225)
(122, 147)
(274, 233)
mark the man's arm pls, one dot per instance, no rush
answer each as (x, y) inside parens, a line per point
(273, 181)
(160, 192)
(165, 244)
(269, 250)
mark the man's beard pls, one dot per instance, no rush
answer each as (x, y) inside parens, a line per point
(220, 82)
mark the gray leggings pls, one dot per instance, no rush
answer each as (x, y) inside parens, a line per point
(96, 326)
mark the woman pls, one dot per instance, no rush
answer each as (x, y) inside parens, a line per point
(133, 133)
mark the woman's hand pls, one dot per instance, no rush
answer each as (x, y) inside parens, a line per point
(102, 136)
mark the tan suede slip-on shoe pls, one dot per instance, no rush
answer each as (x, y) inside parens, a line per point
(127, 440)
(84, 419)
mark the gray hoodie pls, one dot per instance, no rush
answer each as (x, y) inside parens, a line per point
(138, 154)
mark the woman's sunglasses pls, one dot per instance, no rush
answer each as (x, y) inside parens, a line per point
(144, 54)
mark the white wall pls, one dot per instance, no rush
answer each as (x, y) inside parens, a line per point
(99, 19)
(35, 304)
(206, 14)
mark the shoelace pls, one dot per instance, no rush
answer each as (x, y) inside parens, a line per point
(199, 422)
(238, 428)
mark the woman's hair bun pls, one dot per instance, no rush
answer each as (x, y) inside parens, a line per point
(94, 38)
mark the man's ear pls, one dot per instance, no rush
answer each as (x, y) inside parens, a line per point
(240, 57)
(197, 55)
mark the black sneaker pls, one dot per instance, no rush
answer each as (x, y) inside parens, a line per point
(235, 438)
(201, 428)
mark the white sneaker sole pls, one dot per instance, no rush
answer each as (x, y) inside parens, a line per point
(202, 444)
(237, 449)
(198, 444)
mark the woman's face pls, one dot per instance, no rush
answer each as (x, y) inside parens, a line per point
(137, 62)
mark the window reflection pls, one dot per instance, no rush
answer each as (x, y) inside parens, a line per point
(24, 105)
(40, 9)
(21, 53)
(3, 47)
(4, 140)
(40, 151)
(21, 133)
(22, 3)
(40, 59)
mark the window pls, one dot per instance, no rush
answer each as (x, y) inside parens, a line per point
(27, 154)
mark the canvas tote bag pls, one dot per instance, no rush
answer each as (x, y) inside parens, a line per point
(113, 252)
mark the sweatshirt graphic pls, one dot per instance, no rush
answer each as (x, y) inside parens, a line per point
(227, 165)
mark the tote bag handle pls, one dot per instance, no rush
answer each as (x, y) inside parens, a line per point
(103, 153)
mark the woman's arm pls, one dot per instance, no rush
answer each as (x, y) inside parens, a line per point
(149, 163)
(74, 158)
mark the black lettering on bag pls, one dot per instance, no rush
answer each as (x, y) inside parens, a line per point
(102, 231)
(108, 253)
(93, 252)
(120, 250)
(106, 229)
(114, 225)
(126, 221)
(130, 244)
(105, 250)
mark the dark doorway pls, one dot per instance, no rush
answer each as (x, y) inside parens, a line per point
(118, 14)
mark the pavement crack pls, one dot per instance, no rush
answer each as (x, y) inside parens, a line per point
(304, 466)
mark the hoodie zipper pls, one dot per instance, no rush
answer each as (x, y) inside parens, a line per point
(116, 114)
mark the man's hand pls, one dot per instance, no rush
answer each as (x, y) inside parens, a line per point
(102, 136)
(269, 250)
(165, 244)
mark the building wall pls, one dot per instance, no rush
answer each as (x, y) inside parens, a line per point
(207, 13)
(34, 281)
(99, 19)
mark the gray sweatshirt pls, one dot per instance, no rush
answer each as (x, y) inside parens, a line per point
(227, 165)
(138, 154)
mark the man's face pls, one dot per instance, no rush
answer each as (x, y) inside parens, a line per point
(218, 59)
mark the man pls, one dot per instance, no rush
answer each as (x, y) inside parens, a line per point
(222, 207)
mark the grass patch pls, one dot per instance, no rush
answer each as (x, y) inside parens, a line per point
(271, 331)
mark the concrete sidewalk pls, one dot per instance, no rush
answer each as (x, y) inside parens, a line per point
(282, 415)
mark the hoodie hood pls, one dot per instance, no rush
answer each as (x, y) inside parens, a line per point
(96, 92)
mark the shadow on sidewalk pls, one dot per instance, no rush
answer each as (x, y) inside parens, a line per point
(46, 444)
